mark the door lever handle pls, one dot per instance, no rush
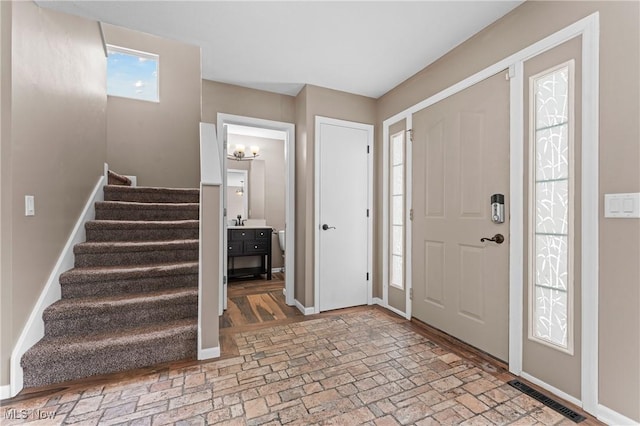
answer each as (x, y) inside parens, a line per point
(498, 238)
(325, 227)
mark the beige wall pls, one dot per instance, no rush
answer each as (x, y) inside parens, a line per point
(158, 142)
(619, 294)
(269, 191)
(57, 99)
(210, 198)
(236, 100)
(326, 103)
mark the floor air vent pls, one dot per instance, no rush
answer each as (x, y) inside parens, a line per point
(555, 405)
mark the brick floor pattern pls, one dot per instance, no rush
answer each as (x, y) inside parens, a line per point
(359, 368)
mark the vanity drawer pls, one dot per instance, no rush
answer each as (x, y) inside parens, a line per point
(256, 247)
(234, 247)
(263, 234)
(242, 234)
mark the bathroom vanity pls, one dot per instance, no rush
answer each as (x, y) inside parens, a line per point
(243, 241)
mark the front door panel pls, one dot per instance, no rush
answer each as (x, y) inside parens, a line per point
(460, 158)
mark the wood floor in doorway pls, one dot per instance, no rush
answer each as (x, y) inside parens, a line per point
(256, 301)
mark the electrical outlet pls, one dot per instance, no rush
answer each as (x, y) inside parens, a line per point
(29, 205)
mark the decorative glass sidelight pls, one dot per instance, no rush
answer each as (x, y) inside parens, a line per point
(397, 166)
(551, 210)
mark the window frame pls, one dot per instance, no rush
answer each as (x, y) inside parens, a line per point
(531, 188)
(391, 165)
(139, 54)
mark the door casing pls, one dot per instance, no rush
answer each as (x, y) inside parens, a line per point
(319, 120)
(589, 29)
(289, 145)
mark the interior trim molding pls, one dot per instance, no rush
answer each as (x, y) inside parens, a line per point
(208, 353)
(305, 311)
(5, 391)
(552, 389)
(33, 330)
(378, 301)
(611, 417)
(223, 120)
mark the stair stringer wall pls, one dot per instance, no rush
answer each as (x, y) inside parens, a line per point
(33, 330)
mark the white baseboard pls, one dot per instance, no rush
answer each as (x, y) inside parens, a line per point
(305, 311)
(209, 353)
(378, 301)
(33, 330)
(133, 179)
(610, 417)
(552, 389)
(5, 392)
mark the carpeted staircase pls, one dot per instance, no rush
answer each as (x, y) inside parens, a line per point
(132, 298)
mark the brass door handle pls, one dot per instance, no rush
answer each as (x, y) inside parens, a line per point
(498, 238)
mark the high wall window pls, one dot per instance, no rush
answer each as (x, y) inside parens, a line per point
(396, 214)
(132, 74)
(551, 180)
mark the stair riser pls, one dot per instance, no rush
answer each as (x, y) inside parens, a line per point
(56, 369)
(150, 197)
(123, 258)
(158, 234)
(134, 214)
(132, 286)
(111, 319)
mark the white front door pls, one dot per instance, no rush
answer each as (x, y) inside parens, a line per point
(343, 213)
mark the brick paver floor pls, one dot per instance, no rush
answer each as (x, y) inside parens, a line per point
(346, 369)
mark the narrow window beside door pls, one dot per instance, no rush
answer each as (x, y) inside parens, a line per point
(396, 278)
(551, 207)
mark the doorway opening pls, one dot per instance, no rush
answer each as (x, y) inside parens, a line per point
(258, 184)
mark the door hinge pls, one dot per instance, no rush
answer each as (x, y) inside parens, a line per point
(224, 279)
(367, 276)
(410, 214)
(410, 133)
(411, 293)
(224, 144)
(367, 212)
(367, 149)
(224, 212)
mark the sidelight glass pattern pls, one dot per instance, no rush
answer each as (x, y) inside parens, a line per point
(396, 213)
(551, 186)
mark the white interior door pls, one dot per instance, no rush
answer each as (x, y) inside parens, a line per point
(343, 213)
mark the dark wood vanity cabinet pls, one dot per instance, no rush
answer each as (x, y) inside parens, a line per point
(249, 242)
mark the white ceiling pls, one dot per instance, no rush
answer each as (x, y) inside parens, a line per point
(361, 47)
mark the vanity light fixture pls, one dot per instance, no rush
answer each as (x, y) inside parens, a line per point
(238, 153)
(240, 191)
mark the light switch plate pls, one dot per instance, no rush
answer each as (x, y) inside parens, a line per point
(29, 205)
(624, 206)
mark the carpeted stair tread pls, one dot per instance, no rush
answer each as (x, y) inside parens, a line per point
(66, 308)
(131, 230)
(129, 210)
(128, 246)
(120, 312)
(113, 253)
(144, 194)
(60, 359)
(109, 273)
(113, 280)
